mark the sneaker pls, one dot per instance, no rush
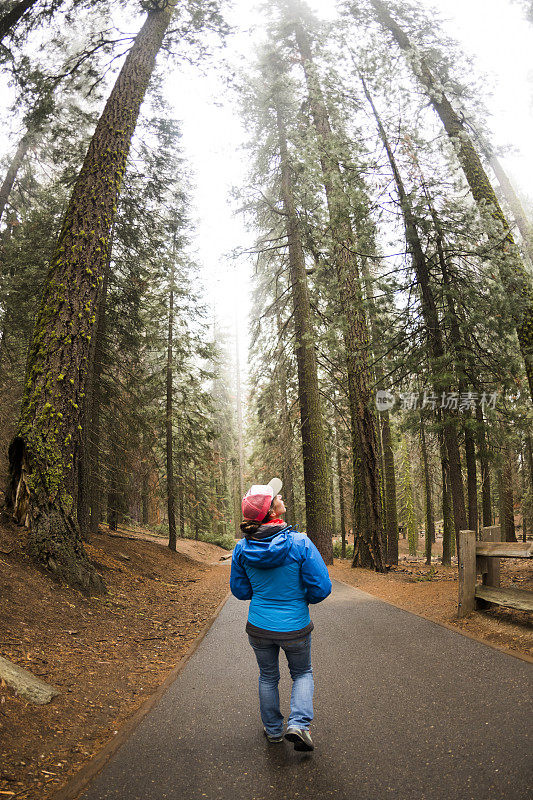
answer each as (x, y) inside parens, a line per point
(301, 738)
(273, 737)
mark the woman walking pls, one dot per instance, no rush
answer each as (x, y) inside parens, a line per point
(281, 572)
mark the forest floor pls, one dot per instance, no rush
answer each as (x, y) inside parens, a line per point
(106, 655)
(432, 592)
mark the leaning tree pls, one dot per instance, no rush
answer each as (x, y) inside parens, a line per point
(42, 456)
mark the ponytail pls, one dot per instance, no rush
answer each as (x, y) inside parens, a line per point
(250, 527)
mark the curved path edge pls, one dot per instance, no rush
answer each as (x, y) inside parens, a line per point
(90, 770)
(493, 645)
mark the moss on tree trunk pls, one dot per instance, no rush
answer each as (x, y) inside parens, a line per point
(41, 487)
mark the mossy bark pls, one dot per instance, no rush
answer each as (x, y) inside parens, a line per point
(368, 522)
(95, 411)
(513, 274)
(42, 471)
(316, 480)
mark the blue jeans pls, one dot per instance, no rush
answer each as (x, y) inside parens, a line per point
(298, 653)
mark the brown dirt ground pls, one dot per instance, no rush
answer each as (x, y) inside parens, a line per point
(106, 655)
(434, 596)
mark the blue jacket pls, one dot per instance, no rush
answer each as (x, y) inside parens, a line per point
(281, 572)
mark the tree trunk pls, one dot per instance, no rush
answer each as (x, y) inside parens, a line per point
(447, 520)
(526, 495)
(113, 500)
(49, 428)
(96, 409)
(88, 466)
(181, 496)
(286, 430)
(11, 19)
(340, 486)
(11, 174)
(368, 523)
(506, 495)
(390, 512)
(430, 521)
(316, 481)
(239, 416)
(483, 456)
(529, 450)
(145, 488)
(390, 490)
(524, 225)
(513, 273)
(461, 359)
(433, 328)
(171, 499)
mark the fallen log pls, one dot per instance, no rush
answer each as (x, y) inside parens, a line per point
(25, 684)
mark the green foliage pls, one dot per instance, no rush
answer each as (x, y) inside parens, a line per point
(337, 550)
(225, 540)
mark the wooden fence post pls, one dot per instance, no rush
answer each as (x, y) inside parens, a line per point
(491, 568)
(467, 572)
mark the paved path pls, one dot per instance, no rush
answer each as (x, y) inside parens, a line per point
(404, 709)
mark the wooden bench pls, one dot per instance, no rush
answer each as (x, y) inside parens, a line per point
(484, 557)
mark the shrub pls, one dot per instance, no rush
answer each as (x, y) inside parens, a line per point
(226, 540)
(337, 549)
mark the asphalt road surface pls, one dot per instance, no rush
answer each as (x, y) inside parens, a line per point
(404, 709)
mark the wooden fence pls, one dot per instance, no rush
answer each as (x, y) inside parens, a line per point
(484, 557)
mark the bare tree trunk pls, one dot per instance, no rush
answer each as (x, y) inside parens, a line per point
(286, 430)
(447, 519)
(390, 512)
(316, 481)
(16, 163)
(430, 521)
(484, 466)
(340, 486)
(529, 450)
(524, 225)
(181, 496)
(506, 495)
(171, 499)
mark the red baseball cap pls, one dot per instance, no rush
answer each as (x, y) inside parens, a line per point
(258, 499)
